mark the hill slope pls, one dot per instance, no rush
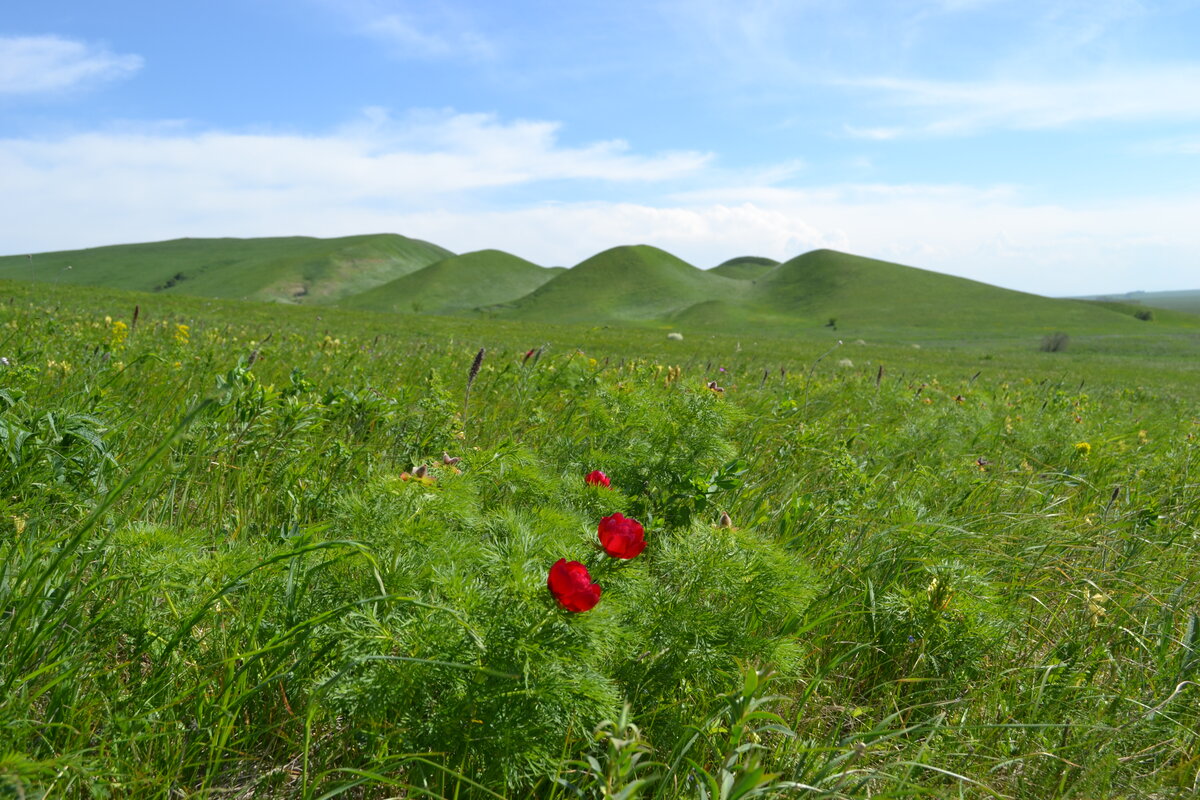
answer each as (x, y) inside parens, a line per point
(864, 293)
(629, 285)
(455, 284)
(633, 283)
(1187, 300)
(745, 267)
(296, 269)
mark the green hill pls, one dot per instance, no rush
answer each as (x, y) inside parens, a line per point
(864, 293)
(297, 269)
(745, 268)
(457, 284)
(1187, 301)
(628, 284)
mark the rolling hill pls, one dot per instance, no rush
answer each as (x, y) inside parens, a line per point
(627, 284)
(457, 284)
(864, 293)
(1187, 301)
(745, 267)
(296, 269)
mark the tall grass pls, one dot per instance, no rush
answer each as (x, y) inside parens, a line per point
(234, 565)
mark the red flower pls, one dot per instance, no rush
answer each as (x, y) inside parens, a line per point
(621, 537)
(597, 478)
(572, 586)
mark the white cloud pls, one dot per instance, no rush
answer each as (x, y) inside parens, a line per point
(412, 30)
(873, 134)
(427, 176)
(1180, 145)
(408, 39)
(398, 163)
(38, 64)
(960, 107)
(163, 181)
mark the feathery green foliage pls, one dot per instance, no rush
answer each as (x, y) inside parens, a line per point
(256, 550)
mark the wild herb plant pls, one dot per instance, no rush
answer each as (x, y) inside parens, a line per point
(266, 555)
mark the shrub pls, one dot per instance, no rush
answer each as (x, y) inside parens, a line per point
(1055, 342)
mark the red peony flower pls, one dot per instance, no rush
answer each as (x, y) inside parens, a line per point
(572, 586)
(597, 478)
(621, 537)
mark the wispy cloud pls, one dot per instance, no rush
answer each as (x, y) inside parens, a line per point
(416, 30)
(406, 160)
(128, 183)
(431, 175)
(1178, 145)
(873, 134)
(408, 38)
(938, 107)
(40, 64)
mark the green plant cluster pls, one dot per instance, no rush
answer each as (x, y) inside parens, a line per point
(271, 554)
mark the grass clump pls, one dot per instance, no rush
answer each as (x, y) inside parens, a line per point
(275, 558)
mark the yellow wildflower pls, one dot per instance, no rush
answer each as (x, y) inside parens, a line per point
(120, 332)
(1095, 606)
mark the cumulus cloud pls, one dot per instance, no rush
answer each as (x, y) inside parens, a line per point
(138, 184)
(399, 163)
(441, 176)
(38, 64)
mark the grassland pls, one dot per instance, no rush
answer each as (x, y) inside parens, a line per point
(968, 568)
(457, 284)
(627, 286)
(1187, 301)
(746, 267)
(291, 269)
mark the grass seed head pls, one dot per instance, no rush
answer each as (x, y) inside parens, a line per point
(475, 365)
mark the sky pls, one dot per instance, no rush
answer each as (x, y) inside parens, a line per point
(1051, 146)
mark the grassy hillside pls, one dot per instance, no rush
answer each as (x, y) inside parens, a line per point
(1188, 301)
(864, 294)
(630, 285)
(625, 284)
(458, 283)
(745, 267)
(859, 296)
(297, 269)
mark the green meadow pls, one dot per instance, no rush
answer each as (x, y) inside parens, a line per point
(628, 286)
(901, 542)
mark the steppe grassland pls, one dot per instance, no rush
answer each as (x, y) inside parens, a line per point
(971, 574)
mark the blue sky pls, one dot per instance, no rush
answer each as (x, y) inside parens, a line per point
(1049, 146)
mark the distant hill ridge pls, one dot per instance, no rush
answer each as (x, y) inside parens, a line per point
(457, 284)
(625, 285)
(284, 269)
(1187, 300)
(745, 267)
